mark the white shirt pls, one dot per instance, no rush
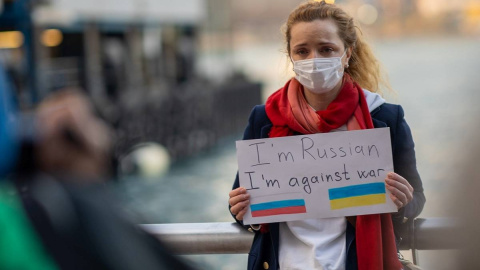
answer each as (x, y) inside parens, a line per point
(313, 243)
(318, 243)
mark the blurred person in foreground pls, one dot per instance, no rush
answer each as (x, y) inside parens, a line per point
(55, 212)
(337, 77)
(463, 201)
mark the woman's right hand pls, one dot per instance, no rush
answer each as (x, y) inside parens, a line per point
(239, 201)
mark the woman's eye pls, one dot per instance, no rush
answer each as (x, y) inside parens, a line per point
(302, 52)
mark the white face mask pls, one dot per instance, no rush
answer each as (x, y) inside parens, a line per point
(319, 75)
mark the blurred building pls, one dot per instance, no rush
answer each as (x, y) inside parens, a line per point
(136, 59)
(115, 45)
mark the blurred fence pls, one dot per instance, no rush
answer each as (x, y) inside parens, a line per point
(189, 118)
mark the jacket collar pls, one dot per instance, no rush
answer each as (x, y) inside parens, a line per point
(265, 130)
(377, 123)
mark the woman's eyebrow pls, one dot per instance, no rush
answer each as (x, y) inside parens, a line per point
(319, 43)
(326, 43)
(300, 45)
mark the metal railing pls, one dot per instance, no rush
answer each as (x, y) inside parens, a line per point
(230, 238)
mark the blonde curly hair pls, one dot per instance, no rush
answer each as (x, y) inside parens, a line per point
(364, 67)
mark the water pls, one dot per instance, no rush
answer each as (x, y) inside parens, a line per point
(194, 190)
(437, 83)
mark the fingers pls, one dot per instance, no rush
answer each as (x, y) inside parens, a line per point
(396, 201)
(237, 195)
(398, 178)
(237, 191)
(240, 214)
(397, 197)
(239, 201)
(239, 209)
(239, 198)
(401, 191)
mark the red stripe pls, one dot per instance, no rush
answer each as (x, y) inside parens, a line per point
(280, 211)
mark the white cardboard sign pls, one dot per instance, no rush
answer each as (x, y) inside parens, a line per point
(316, 176)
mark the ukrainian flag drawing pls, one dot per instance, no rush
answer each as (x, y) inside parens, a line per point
(358, 195)
(283, 207)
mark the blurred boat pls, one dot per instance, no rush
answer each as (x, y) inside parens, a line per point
(137, 60)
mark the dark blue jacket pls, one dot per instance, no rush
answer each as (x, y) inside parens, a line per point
(264, 250)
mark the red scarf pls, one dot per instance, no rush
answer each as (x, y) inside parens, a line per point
(375, 239)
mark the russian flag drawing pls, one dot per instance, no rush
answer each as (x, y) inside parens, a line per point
(357, 195)
(280, 207)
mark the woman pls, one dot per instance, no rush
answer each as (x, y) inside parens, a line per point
(332, 64)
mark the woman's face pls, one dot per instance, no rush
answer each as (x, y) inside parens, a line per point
(316, 39)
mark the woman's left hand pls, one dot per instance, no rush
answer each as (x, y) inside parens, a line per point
(401, 192)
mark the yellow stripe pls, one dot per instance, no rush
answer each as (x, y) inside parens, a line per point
(357, 201)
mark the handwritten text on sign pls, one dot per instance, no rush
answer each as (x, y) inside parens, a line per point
(319, 175)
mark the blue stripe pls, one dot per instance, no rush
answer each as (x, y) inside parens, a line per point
(357, 190)
(277, 204)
